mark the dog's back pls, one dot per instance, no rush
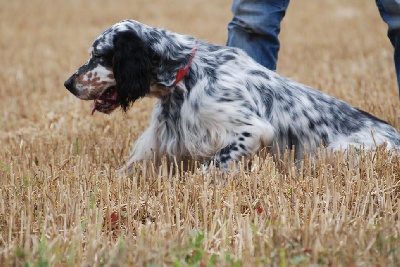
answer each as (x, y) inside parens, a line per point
(307, 118)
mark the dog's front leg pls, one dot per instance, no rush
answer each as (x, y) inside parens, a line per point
(224, 157)
(244, 145)
(145, 148)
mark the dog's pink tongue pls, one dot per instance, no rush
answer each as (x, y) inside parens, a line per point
(94, 106)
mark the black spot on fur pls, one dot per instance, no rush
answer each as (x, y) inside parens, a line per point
(259, 73)
(324, 138)
(211, 75)
(190, 81)
(266, 98)
(227, 57)
(293, 140)
(213, 48)
(311, 125)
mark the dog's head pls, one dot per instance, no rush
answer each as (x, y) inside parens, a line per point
(118, 71)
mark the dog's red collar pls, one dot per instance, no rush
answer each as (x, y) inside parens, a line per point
(182, 71)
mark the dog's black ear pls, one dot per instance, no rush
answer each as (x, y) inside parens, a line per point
(132, 68)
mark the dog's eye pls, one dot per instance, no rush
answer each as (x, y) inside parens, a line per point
(97, 56)
(104, 59)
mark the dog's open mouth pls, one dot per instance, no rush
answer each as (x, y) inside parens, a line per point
(107, 102)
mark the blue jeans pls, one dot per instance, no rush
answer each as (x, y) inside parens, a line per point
(256, 25)
(390, 13)
(255, 28)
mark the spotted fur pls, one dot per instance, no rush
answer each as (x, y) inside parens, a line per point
(226, 107)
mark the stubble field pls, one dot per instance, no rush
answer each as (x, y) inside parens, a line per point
(62, 204)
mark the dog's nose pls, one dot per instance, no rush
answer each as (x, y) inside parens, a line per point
(69, 84)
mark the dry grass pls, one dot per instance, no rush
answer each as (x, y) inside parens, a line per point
(61, 203)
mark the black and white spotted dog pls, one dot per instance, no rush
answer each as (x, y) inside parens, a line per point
(216, 104)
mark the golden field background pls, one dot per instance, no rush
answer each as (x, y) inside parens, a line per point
(61, 203)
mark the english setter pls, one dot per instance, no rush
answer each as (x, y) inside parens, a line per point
(216, 104)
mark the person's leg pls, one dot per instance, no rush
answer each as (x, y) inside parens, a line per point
(390, 13)
(255, 28)
(395, 39)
